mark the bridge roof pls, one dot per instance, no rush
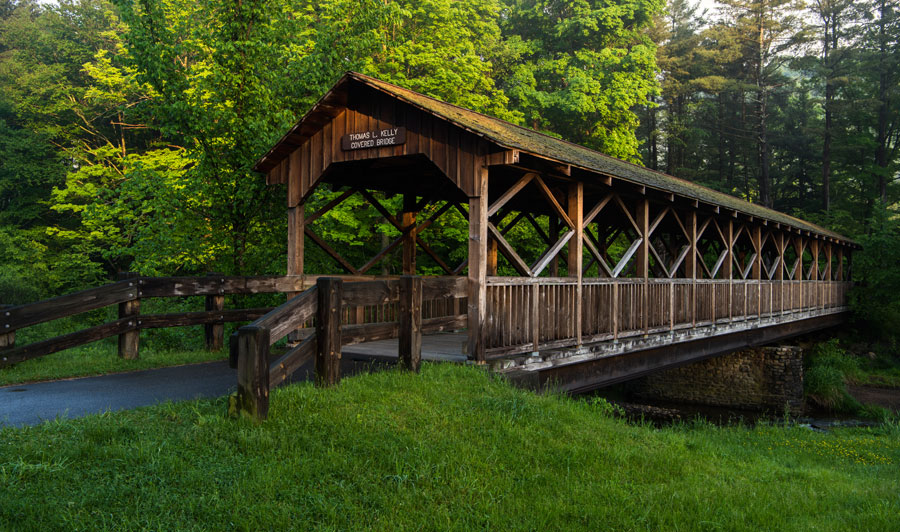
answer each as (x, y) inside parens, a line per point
(511, 136)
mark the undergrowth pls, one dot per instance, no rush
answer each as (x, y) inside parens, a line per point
(829, 368)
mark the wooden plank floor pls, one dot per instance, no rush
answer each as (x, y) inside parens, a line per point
(441, 347)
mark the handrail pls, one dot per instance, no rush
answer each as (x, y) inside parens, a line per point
(129, 292)
(250, 344)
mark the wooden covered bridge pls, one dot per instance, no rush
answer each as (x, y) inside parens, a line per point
(577, 269)
(638, 270)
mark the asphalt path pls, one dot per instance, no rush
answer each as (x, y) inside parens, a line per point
(30, 404)
(34, 403)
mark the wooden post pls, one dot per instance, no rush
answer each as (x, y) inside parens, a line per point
(814, 272)
(575, 210)
(477, 280)
(253, 372)
(7, 339)
(729, 268)
(692, 268)
(756, 273)
(780, 270)
(643, 257)
(615, 310)
(129, 342)
(407, 219)
(535, 316)
(840, 260)
(296, 231)
(214, 333)
(328, 331)
(410, 322)
(492, 257)
(553, 233)
(295, 249)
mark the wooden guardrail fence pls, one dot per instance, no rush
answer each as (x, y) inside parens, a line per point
(128, 293)
(324, 304)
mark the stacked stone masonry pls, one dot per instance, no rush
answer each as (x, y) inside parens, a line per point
(762, 378)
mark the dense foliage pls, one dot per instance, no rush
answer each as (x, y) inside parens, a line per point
(128, 129)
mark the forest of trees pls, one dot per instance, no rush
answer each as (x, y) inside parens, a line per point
(128, 128)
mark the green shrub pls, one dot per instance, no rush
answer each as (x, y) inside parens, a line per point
(825, 382)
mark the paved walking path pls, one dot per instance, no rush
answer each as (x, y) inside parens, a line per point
(30, 404)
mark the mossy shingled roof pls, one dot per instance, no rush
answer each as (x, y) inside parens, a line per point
(517, 137)
(512, 136)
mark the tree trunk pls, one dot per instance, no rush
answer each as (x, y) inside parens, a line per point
(829, 103)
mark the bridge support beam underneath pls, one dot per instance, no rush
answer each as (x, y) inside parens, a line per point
(592, 373)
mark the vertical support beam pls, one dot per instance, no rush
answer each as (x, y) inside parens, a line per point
(729, 269)
(691, 266)
(477, 281)
(756, 273)
(129, 342)
(296, 229)
(535, 317)
(253, 372)
(214, 333)
(814, 271)
(410, 341)
(492, 257)
(615, 310)
(782, 247)
(330, 293)
(575, 210)
(553, 233)
(840, 261)
(407, 219)
(643, 257)
(295, 248)
(756, 270)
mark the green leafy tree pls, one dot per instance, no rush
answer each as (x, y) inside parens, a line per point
(584, 66)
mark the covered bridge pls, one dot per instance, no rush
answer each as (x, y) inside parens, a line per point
(640, 270)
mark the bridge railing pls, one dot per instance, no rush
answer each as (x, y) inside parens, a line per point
(324, 305)
(128, 294)
(536, 314)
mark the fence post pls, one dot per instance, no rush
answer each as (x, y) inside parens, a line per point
(253, 371)
(214, 333)
(330, 293)
(410, 322)
(129, 342)
(7, 339)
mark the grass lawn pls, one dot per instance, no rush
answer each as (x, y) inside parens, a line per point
(98, 359)
(450, 449)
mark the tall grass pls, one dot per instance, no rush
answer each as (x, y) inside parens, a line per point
(450, 449)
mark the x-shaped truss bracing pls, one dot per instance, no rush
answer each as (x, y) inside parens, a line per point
(414, 229)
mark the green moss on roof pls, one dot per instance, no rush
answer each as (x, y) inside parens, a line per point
(513, 136)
